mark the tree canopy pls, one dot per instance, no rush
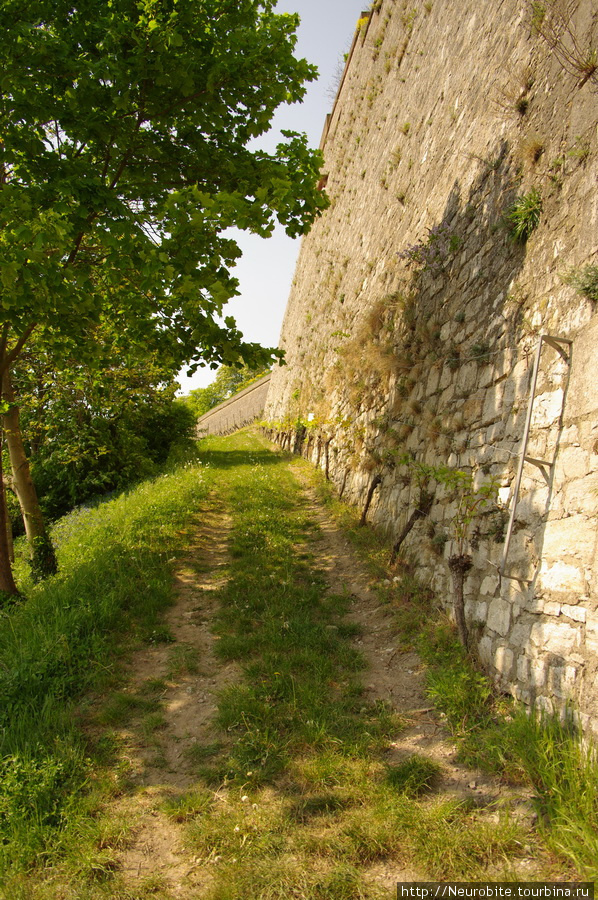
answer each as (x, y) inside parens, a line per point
(124, 157)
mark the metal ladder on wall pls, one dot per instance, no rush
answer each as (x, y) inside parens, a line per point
(545, 467)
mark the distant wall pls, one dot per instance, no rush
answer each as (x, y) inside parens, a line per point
(414, 316)
(242, 409)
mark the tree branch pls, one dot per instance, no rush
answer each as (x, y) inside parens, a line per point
(14, 353)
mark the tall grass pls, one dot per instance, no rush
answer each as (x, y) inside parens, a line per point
(114, 580)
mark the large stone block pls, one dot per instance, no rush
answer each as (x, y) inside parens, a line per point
(581, 495)
(592, 633)
(582, 396)
(499, 616)
(538, 670)
(561, 577)
(519, 634)
(556, 637)
(503, 661)
(485, 650)
(573, 536)
(561, 681)
(571, 463)
(493, 403)
(577, 613)
(489, 585)
(523, 668)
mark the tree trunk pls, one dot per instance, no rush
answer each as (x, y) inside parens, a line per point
(327, 459)
(7, 582)
(43, 558)
(421, 511)
(343, 485)
(375, 482)
(299, 438)
(459, 566)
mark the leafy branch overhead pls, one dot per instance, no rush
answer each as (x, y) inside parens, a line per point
(125, 158)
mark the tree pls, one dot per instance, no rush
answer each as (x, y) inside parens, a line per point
(91, 430)
(125, 155)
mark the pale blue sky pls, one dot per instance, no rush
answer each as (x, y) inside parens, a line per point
(266, 269)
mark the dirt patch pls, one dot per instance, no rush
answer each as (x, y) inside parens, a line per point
(162, 765)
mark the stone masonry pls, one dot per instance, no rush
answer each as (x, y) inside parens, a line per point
(236, 412)
(415, 315)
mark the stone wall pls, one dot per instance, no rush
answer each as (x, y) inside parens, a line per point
(240, 410)
(415, 316)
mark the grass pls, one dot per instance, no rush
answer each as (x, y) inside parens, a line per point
(298, 800)
(295, 797)
(114, 582)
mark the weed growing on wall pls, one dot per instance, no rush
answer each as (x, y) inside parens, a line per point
(576, 50)
(585, 281)
(433, 253)
(523, 217)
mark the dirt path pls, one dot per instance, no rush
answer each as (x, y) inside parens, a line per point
(162, 767)
(154, 855)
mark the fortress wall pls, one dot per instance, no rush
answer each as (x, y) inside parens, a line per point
(240, 410)
(447, 114)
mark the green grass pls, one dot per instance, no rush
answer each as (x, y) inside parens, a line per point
(301, 800)
(414, 776)
(295, 796)
(115, 580)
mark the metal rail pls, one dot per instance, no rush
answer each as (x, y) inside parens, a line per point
(544, 466)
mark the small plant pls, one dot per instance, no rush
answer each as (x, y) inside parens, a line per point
(523, 217)
(183, 660)
(538, 11)
(576, 52)
(532, 149)
(481, 352)
(522, 105)
(438, 543)
(585, 281)
(580, 150)
(433, 253)
(453, 359)
(406, 128)
(472, 500)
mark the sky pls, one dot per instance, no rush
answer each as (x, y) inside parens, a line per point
(265, 271)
